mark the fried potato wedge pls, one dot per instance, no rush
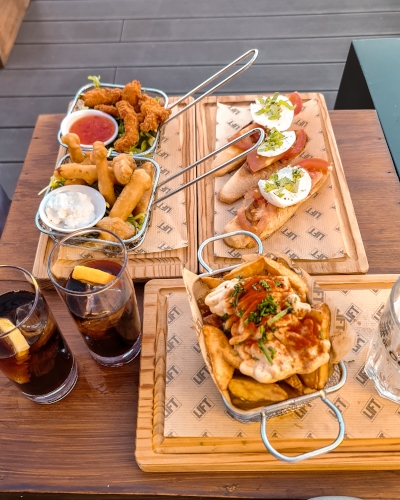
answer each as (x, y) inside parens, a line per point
(211, 282)
(295, 382)
(247, 270)
(251, 390)
(277, 269)
(249, 405)
(232, 357)
(216, 342)
(317, 379)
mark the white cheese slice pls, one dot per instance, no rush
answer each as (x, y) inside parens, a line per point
(284, 121)
(287, 198)
(287, 143)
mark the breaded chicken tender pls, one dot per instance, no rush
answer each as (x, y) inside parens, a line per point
(110, 110)
(153, 113)
(132, 92)
(131, 124)
(123, 166)
(96, 97)
(117, 226)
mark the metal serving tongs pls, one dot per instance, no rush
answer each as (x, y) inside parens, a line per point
(335, 382)
(203, 176)
(211, 79)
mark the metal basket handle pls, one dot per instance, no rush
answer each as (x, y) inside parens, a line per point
(310, 454)
(241, 155)
(234, 233)
(211, 79)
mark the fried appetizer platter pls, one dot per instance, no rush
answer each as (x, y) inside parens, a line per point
(266, 343)
(125, 186)
(139, 115)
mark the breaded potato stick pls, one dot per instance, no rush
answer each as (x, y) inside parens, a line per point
(117, 226)
(87, 160)
(74, 147)
(143, 204)
(131, 194)
(123, 166)
(81, 171)
(106, 186)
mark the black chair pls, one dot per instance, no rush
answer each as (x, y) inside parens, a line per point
(5, 204)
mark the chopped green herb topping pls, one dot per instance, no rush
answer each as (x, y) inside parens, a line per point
(272, 351)
(225, 317)
(320, 335)
(278, 283)
(280, 315)
(265, 285)
(262, 347)
(238, 291)
(241, 312)
(267, 307)
(272, 107)
(272, 142)
(292, 185)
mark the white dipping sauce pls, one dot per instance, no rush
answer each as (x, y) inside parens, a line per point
(70, 208)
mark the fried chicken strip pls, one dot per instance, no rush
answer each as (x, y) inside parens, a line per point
(96, 97)
(132, 92)
(110, 110)
(131, 124)
(153, 113)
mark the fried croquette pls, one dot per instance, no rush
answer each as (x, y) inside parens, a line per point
(131, 124)
(123, 166)
(117, 226)
(106, 96)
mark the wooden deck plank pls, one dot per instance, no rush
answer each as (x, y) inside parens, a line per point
(9, 175)
(128, 54)
(256, 79)
(24, 82)
(142, 9)
(69, 32)
(263, 27)
(14, 143)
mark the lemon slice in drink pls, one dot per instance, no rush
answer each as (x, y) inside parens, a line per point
(15, 338)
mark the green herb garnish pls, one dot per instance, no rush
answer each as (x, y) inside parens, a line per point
(320, 335)
(280, 315)
(265, 285)
(272, 142)
(225, 317)
(262, 347)
(272, 107)
(267, 307)
(238, 291)
(278, 283)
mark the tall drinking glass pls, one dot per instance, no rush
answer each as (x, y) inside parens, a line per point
(106, 315)
(383, 361)
(33, 353)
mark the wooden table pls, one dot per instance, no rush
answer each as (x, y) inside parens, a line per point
(85, 444)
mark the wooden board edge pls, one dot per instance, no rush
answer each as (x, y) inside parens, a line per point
(357, 265)
(149, 460)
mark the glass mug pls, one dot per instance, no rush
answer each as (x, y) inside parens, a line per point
(383, 360)
(107, 315)
(33, 353)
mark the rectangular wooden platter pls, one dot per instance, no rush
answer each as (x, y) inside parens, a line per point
(157, 453)
(166, 264)
(355, 260)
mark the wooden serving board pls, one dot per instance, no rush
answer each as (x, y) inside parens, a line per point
(156, 453)
(354, 260)
(165, 264)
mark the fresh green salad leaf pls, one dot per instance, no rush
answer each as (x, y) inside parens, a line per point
(95, 80)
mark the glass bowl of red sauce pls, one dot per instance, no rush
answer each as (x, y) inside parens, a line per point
(91, 125)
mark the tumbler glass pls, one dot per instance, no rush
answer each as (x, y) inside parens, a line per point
(106, 315)
(383, 361)
(33, 353)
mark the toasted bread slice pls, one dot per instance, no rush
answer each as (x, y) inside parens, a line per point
(282, 216)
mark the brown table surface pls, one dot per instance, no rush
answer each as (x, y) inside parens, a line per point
(86, 443)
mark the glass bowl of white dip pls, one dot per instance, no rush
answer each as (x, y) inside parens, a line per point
(73, 207)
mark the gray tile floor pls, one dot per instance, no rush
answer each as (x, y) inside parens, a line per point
(174, 45)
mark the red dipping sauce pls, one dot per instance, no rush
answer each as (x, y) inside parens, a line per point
(93, 128)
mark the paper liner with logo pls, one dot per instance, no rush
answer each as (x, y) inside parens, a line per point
(313, 232)
(342, 340)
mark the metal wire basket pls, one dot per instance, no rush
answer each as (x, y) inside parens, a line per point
(78, 103)
(136, 240)
(335, 382)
